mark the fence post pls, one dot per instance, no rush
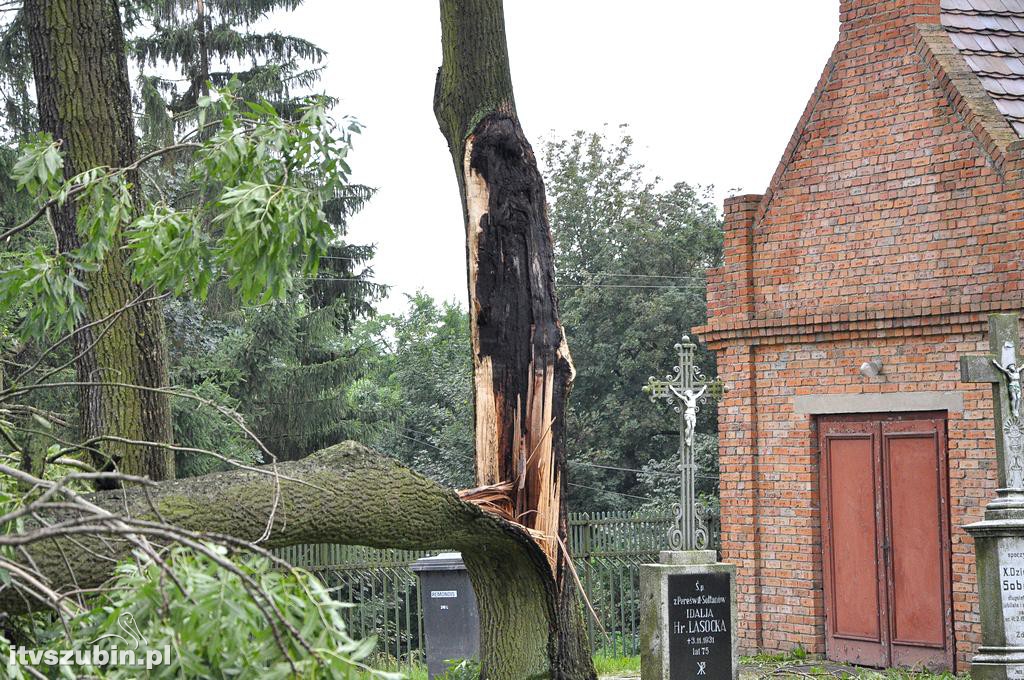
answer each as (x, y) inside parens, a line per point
(585, 518)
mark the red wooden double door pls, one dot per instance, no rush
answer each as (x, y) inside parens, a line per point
(885, 540)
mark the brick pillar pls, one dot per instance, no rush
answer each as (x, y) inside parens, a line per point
(730, 287)
(860, 16)
(739, 476)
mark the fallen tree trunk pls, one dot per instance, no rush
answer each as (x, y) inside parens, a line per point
(346, 494)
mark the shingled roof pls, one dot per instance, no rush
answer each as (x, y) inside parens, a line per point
(990, 35)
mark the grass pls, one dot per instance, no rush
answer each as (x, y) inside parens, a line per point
(775, 665)
(797, 655)
(608, 665)
(807, 669)
(764, 665)
(415, 670)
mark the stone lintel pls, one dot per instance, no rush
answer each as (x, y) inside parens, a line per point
(878, 402)
(997, 528)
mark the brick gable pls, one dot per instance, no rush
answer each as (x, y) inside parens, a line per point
(891, 228)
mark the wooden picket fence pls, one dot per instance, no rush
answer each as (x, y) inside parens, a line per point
(607, 548)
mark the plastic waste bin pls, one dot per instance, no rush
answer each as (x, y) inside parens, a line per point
(451, 622)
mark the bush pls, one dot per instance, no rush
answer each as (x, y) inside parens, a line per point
(214, 620)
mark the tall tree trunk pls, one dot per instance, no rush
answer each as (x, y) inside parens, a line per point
(84, 100)
(522, 366)
(204, 54)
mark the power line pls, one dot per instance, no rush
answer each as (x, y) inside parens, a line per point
(627, 285)
(581, 486)
(636, 471)
(422, 434)
(355, 279)
(682, 277)
(689, 277)
(617, 493)
(433, 446)
(694, 281)
(580, 462)
(350, 279)
(595, 465)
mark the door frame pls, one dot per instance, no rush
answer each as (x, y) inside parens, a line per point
(883, 519)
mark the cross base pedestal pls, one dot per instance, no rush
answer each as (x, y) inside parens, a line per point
(999, 555)
(1008, 505)
(688, 618)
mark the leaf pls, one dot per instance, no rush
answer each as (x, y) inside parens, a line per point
(38, 165)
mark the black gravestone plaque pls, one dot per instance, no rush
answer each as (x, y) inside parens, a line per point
(699, 627)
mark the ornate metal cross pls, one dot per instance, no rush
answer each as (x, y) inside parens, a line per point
(684, 390)
(1002, 368)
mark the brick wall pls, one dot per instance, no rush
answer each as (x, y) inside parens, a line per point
(769, 472)
(891, 228)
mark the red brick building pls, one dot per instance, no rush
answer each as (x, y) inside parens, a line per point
(890, 230)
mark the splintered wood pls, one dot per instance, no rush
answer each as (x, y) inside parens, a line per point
(487, 424)
(521, 362)
(538, 487)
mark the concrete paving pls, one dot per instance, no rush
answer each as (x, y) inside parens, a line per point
(819, 669)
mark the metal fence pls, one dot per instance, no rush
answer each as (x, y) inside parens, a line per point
(379, 585)
(607, 549)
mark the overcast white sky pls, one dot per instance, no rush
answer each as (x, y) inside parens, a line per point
(711, 90)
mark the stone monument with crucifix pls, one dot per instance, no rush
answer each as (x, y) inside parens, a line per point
(999, 537)
(687, 600)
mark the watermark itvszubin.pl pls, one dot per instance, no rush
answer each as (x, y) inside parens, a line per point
(95, 655)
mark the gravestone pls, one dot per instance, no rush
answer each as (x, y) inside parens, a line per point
(999, 537)
(688, 618)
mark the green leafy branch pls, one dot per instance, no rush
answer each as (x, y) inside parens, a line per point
(263, 180)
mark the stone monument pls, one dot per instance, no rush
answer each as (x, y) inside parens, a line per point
(999, 537)
(687, 600)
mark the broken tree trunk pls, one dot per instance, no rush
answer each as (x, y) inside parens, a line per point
(530, 618)
(522, 367)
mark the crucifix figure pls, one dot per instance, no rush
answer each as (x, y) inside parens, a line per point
(1010, 369)
(685, 389)
(689, 399)
(1002, 368)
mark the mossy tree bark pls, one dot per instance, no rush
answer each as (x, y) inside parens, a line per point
(346, 494)
(84, 100)
(522, 367)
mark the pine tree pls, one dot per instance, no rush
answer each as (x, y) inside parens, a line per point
(289, 373)
(18, 115)
(211, 42)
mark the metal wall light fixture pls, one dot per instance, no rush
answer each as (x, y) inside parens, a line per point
(871, 369)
